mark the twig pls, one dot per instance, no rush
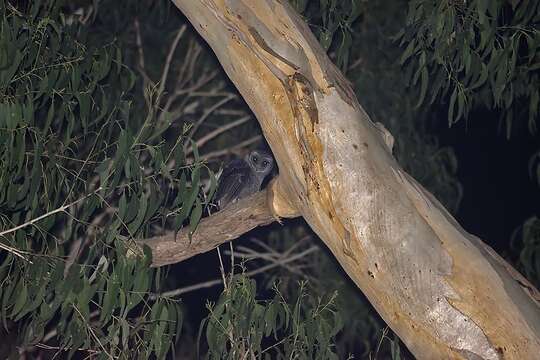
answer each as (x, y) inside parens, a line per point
(251, 254)
(14, 251)
(230, 112)
(182, 91)
(52, 212)
(220, 130)
(231, 249)
(80, 244)
(92, 332)
(209, 93)
(215, 282)
(168, 61)
(356, 63)
(232, 149)
(207, 113)
(140, 51)
(193, 52)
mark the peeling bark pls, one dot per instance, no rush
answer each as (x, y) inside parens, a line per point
(443, 291)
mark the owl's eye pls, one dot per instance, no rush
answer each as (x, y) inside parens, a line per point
(265, 163)
(254, 159)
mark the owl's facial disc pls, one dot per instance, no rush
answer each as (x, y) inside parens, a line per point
(260, 162)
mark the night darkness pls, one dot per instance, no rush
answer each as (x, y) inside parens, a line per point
(498, 191)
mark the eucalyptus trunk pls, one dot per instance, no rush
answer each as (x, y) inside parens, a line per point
(442, 290)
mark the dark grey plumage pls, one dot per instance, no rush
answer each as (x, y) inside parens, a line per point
(242, 177)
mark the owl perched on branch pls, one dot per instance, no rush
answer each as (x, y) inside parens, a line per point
(242, 177)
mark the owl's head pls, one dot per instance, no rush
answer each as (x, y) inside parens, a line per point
(260, 161)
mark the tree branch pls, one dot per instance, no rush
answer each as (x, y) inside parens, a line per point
(214, 230)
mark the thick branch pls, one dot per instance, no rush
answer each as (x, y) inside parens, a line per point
(219, 228)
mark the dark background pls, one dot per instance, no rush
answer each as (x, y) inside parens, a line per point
(498, 189)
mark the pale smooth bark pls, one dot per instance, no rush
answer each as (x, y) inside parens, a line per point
(444, 292)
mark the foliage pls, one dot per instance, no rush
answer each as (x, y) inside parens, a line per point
(332, 22)
(82, 176)
(239, 324)
(526, 242)
(477, 53)
(325, 277)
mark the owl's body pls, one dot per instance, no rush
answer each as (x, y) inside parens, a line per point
(242, 177)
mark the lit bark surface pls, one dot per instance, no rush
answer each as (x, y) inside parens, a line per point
(443, 291)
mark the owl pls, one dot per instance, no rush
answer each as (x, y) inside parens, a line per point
(242, 177)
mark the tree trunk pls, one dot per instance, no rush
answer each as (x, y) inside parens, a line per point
(444, 292)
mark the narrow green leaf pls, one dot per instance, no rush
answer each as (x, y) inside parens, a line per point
(423, 86)
(110, 299)
(451, 107)
(141, 213)
(22, 298)
(179, 321)
(407, 52)
(195, 217)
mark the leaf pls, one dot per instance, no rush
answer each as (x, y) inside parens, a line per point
(101, 267)
(75, 78)
(155, 201)
(179, 158)
(188, 203)
(179, 322)
(343, 50)
(133, 209)
(141, 213)
(28, 111)
(461, 104)
(482, 78)
(49, 119)
(270, 317)
(482, 7)
(423, 87)
(213, 185)
(84, 109)
(14, 115)
(195, 150)
(118, 60)
(22, 298)
(451, 107)
(325, 39)
(467, 59)
(407, 53)
(110, 298)
(20, 150)
(71, 125)
(6, 75)
(140, 287)
(195, 217)
(125, 332)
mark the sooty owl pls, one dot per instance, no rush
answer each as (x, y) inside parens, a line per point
(242, 177)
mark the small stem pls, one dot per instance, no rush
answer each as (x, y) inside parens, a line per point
(52, 212)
